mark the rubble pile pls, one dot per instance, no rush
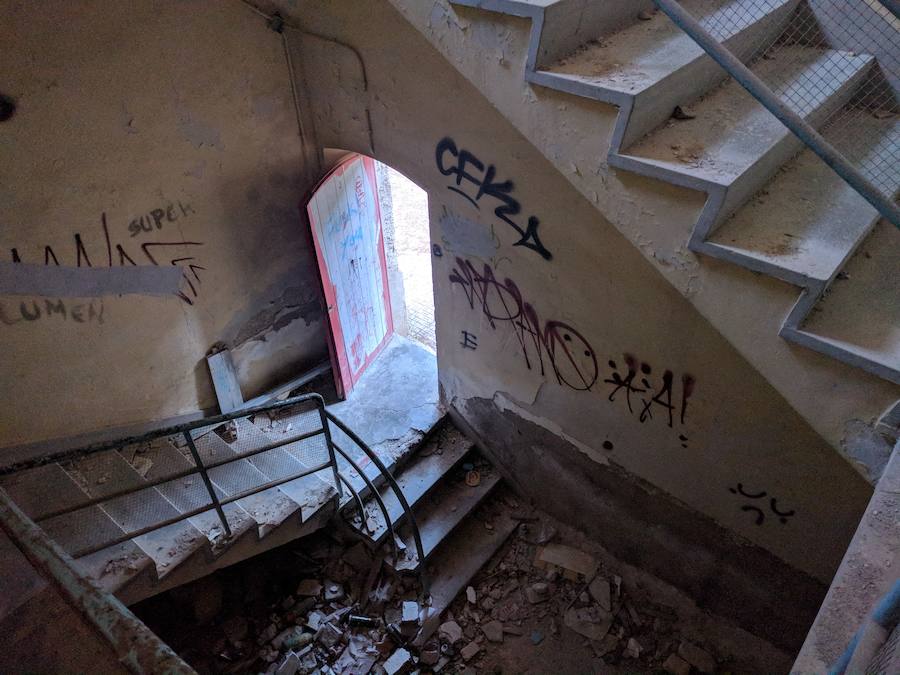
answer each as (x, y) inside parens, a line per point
(539, 586)
(336, 607)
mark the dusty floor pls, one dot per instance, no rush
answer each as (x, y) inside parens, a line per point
(249, 618)
(413, 247)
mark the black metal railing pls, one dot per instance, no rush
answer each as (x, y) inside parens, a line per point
(189, 433)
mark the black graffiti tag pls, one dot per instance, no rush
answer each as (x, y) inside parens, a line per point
(482, 179)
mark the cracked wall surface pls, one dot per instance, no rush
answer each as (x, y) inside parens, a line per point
(152, 133)
(545, 309)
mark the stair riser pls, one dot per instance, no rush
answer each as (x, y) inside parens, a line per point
(654, 106)
(568, 24)
(756, 177)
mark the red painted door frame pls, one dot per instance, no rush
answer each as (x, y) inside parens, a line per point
(347, 367)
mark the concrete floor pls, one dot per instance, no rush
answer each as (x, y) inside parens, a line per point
(396, 401)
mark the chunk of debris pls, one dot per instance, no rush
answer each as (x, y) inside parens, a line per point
(470, 595)
(599, 590)
(227, 432)
(698, 657)
(333, 592)
(329, 634)
(289, 666)
(591, 622)
(451, 632)
(410, 609)
(473, 478)
(681, 114)
(537, 637)
(570, 560)
(513, 630)
(633, 649)
(493, 631)
(537, 592)
(645, 15)
(676, 665)
(606, 645)
(309, 588)
(430, 653)
(399, 663)
(315, 619)
(470, 650)
(142, 465)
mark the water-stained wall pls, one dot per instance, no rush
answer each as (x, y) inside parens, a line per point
(597, 387)
(602, 393)
(148, 134)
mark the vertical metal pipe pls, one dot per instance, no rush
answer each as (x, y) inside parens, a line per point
(209, 486)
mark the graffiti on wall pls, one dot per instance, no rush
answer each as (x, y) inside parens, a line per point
(759, 503)
(558, 348)
(28, 311)
(115, 253)
(474, 180)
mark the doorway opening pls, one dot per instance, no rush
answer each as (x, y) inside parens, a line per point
(371, 234)
(408, 244)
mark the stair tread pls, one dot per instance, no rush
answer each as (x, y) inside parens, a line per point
(419, 477)
(49, 487)
(104, 473)
(311, 492)
(642, 55)
(732, 131)
(190, 492)
(442, 511)
(862, 312)
(268, 508)
(467, 550)
(808, 219)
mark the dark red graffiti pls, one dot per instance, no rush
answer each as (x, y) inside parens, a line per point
(554, 343)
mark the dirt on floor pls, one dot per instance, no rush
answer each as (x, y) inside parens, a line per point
(548, 602)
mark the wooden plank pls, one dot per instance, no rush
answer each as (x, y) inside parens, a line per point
(225, 382)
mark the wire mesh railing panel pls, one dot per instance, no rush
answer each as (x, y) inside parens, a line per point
(835, 62)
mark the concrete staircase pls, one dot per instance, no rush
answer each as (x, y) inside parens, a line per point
(175, 554)
(456, 545)
(772, 206)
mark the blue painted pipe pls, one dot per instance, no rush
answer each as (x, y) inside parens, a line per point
(885, 615)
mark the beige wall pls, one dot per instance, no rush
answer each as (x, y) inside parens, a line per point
(737, 427)
(124, 108)
(190, 101)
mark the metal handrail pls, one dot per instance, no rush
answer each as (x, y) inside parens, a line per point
(411, 519)
(134, 645)
(762, 93)
(216, 502)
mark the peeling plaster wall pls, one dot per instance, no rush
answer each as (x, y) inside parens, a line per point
(738, 437)
(489, 49)
(180, 114)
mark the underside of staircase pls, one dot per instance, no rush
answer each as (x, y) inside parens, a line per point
(772, 206)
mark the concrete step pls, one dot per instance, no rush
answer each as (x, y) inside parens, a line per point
(860, 313)
(444, 450)
(48, 488)
(189, 493)
(734, 143)
(653, 66)
(465, 552)
(558, 27)
(310, 492)
(442, 511)
(268, 508)
(104, 473)
(807, 221)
